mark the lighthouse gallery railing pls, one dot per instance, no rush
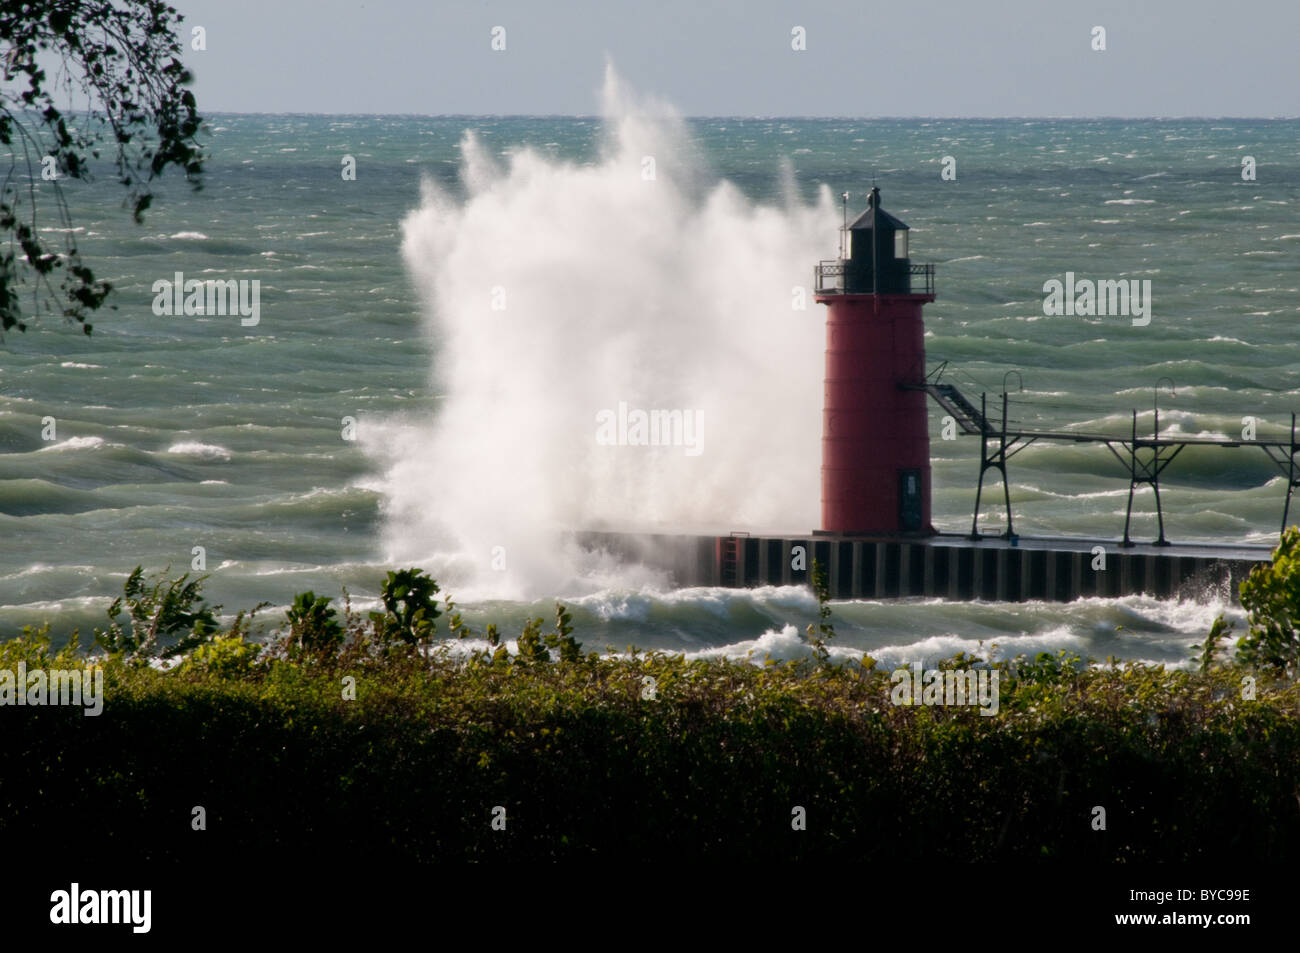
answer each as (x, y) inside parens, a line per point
(830, 278)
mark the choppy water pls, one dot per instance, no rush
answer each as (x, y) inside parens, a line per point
(175, 432)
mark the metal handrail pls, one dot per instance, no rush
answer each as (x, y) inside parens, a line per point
(927, 272)
(834, 268)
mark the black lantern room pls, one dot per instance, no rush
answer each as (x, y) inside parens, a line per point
(875, 253)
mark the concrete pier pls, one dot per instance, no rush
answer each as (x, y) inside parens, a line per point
(1057, 569)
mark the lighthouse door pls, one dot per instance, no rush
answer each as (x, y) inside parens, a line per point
(909, 499)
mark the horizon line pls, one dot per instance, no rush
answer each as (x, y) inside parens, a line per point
(739, 116)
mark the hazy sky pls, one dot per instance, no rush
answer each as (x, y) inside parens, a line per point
(863, 58)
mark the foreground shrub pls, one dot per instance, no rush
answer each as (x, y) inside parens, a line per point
(313, 625)
(411, 609)
(349, 741)
(156, 612)
(406, 758)
(1271, 597)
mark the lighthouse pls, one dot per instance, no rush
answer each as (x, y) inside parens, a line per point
(875, 433)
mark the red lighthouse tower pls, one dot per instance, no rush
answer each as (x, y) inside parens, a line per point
(875, 433)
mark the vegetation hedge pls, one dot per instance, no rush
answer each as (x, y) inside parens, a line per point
(377, 740)
(712, 766)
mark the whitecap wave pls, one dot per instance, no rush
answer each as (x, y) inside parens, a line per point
(194, 448)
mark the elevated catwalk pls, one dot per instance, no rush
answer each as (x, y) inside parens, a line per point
(943, 565)
(1145, 458)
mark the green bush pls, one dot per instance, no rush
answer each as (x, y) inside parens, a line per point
(411, 610)
(313, 625)
(156, 613)
(226, 656)
(710, 766)
(384, 756)
(1271, 597)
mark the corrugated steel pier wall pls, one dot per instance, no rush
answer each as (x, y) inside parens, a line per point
(943, 566)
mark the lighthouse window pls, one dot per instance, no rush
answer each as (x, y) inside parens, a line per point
(900, 244)
(848, 243)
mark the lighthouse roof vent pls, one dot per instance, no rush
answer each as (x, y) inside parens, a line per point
(868, 218)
